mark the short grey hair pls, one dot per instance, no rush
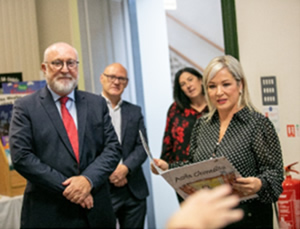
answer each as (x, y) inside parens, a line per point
(54, 46)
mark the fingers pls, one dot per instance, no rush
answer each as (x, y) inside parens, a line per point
(220, 191)
(118, 181)
(163, 165)
(119, 174)
(225, 210)
(75, 198)
(230, 217)
(112, 178)
(247, 186)
(227, 202)
(208, 209)
(66, 182)
(208, 196)
(78, 189)
(219, 201)
(215, 194)
(219, 198)
(121, 183)
(153, 169)
(88, 202)
(242, 180)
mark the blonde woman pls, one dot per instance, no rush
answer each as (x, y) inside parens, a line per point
(235, 129)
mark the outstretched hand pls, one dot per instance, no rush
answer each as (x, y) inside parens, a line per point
(207, 209)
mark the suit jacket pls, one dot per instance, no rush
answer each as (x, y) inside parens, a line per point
(42, 153)
(133, 153)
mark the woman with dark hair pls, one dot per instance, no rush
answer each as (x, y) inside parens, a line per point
(188, 106)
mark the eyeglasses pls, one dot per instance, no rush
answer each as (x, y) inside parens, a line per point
(58, 64)
(112, 78)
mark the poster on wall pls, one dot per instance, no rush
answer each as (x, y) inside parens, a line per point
(25, 87)
(272, 112)
(293, 130)
(10, 77)
(6, 107)
(5, 116)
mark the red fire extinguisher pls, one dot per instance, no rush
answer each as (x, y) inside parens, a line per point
(289, 201)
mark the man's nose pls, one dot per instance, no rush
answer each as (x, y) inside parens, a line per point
(117, 81)
(64, 67)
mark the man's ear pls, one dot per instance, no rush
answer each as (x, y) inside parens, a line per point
(101, 78)
(43, 67)
(126, 84)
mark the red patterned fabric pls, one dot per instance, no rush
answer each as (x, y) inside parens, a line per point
(178, 132)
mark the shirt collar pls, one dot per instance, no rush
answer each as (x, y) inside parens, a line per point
(242, 114)
(56, 97)
(108, 101)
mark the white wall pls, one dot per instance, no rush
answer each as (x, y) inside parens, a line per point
(157, 94)
(269, 44)
(205, 18)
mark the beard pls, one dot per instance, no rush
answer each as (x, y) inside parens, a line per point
(63, 84)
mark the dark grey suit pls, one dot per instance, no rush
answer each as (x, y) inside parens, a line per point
(42, 153)
(133, 156)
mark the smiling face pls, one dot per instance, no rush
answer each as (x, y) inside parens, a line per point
(224, 91)
(61, 80)
(191, 85)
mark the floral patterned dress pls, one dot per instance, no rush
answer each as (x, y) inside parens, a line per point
(176, 141)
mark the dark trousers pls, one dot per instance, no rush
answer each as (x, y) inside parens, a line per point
(256, 215)
(129, 211)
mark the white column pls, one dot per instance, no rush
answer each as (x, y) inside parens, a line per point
(157, 94)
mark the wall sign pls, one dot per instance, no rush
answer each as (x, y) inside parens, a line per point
(272, 112)
(293, 130)
(269, 90)
(10, 77)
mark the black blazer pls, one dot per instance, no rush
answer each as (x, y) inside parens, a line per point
(133, 153)
(42, 153)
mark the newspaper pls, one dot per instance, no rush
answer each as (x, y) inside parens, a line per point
(205, 174)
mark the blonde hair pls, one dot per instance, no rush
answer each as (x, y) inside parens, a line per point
(235, 68)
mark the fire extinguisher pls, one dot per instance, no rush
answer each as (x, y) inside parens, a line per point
(289, 201)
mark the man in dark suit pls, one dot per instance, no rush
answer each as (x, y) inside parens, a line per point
(128, 185)
(67, 179)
